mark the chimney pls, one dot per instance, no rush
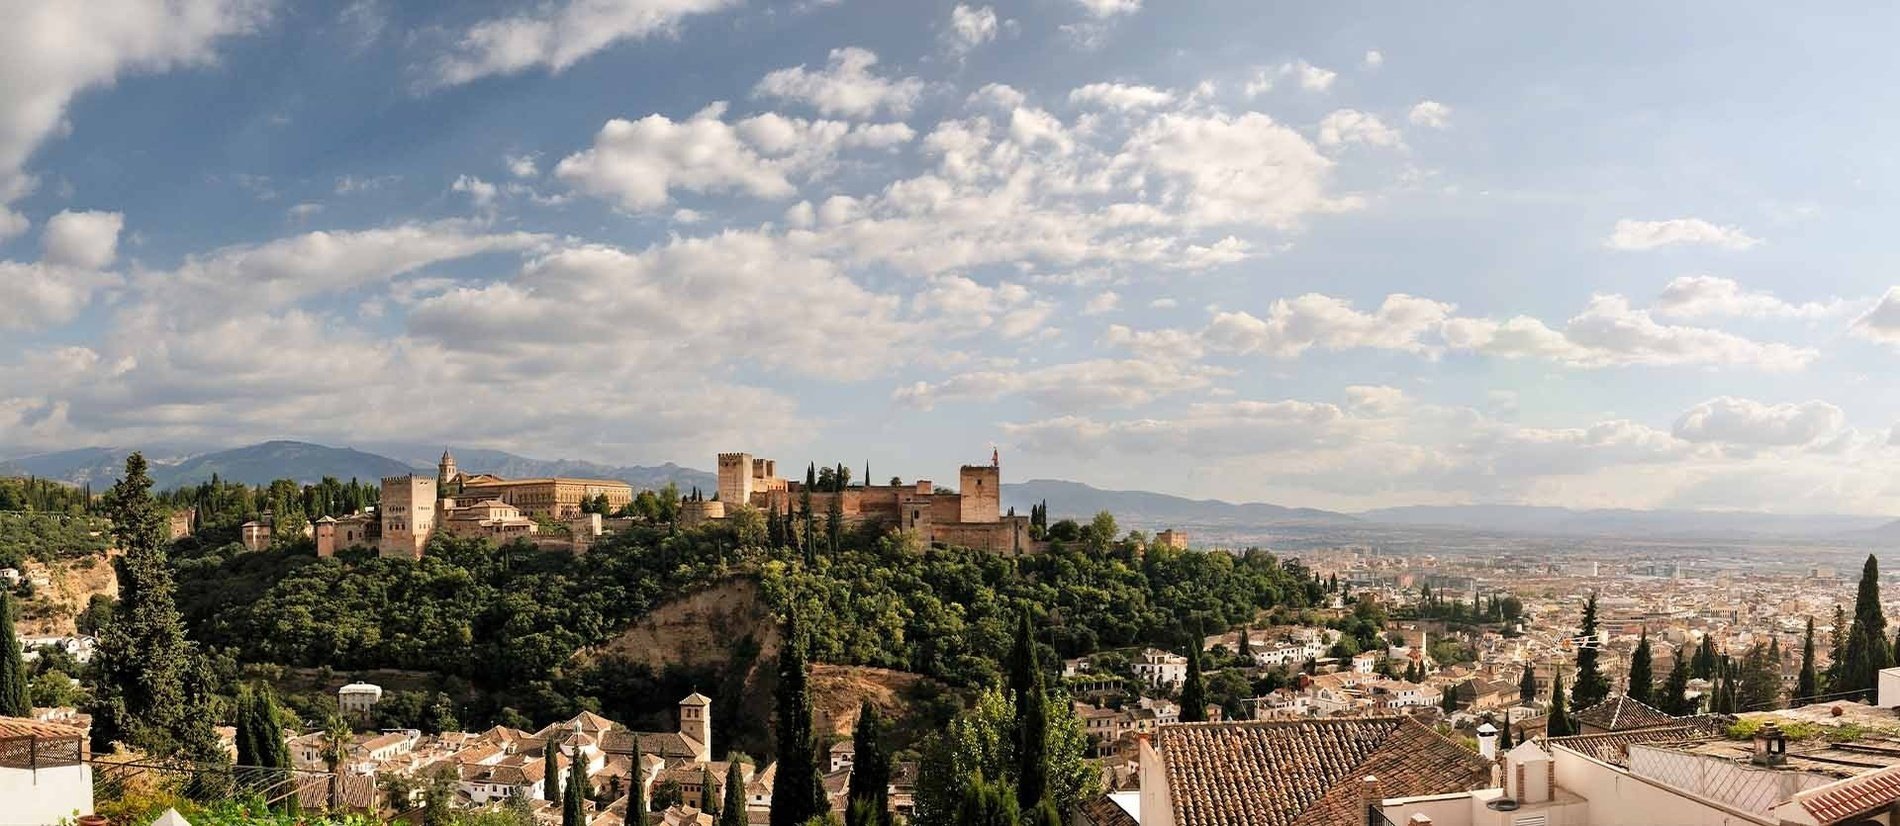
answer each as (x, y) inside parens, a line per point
(1371, 790)
(1771, 746)
(1488, 741)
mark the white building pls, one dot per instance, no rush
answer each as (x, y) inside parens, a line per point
(1161, 669)
(358, 698)
(43, 775)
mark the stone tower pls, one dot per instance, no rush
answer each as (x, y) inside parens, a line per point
(325, 530)
(981, 489)
(696, 723)
(445, 472)
(735, 478)
(408, 515)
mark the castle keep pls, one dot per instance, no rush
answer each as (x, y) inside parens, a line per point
(970, 517)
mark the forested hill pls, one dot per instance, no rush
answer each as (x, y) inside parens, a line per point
(1157, 510)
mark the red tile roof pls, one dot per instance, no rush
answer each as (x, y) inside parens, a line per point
(1620, 712)
(1286, 772)
(1854, 796)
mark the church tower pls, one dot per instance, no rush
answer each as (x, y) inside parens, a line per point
(696, 723)
(445, 470)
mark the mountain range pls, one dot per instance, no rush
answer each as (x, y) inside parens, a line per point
(306, 462)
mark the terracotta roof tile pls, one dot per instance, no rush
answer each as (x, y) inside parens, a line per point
(1101, 811)
(1854, 796)
(1620, 712)
(1285, 772)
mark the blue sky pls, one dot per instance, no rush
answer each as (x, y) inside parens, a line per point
(1344, 256)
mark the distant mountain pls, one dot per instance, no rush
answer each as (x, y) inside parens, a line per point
(263, 463)
(1133, 508)
(1613, 522)
(511, 466)
(98, 466)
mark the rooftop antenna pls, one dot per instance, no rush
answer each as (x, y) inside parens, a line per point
(996, 458)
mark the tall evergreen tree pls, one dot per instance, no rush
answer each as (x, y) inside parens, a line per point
(1246, 641)
(150, 690)
(987, 804)
(1868, 649)
(15, 700)
(1558, 724)
(1642, 685)
(732, 811)
(1837, 648)
(1032, 746)
(869, 794)
(1592, 686)
(1022, 659)
(1805, 686)
(1194, 689)
(709, 802)
(1703, 666)
(1758, 681)
(573, 805)
(1527, 684)
(797, 790)
(1504, 736)
(551, 769)
(1675, 691)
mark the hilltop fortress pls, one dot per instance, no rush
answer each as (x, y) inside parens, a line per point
(970, 517)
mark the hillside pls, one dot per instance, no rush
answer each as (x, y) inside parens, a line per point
(263, 463)
(99, 466)
(1569, 522)
(1142, 509)
(512, 466)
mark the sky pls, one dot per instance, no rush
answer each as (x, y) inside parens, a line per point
(1343, 255)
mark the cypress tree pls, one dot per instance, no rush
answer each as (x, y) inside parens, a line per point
(573, 810)
(1504, 736)
(1527, 684)
(150, 692)
(1022, 660)
(1194, 689)
(1246, 642)
(1868, 650)
(15, 700)
(1805, 687)
(247, 741)
(869, 794)
(732, 811)
(797, 793)
(1032, 746)
(551, 769)
(987, 804)
(1837, 648)
(1642, 687)
(1592, 687)
(1558, 724)
(708, 803)
(1675, 692)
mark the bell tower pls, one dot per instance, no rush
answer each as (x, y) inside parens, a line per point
(445, 470)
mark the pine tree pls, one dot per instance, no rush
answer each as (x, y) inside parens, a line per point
(1642, 685)
(1527, 684)
(732, 811)
(15, 700)
(1558, 724)
(150, 692)
(1675, 692)
(1805, 687)
(1868, 650)
(1194, 689)
(551, 769)
(1592, 687)
(797, 793)
(869, 794)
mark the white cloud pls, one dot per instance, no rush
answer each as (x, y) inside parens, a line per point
(1104, 9)
(1373, 59)
(963, 306)
(1374, 400)
(348, 184)
(1293, 326)
(557, 36)
(55, 51)
(1312, 78)
(1076, 385)
(1344, 126)
(1430, 114)
(971, 27)
(1120, 96)
(1748, 422)
(1647, 235)
(1102, 302)
(302, 213)
(1882, 321)
(522, 166)
(1260, 83)
(1226, 169)
(638, 163)
(1692, 296)
(845, 87)
(479, 192)
(76, 248)
(83, 240)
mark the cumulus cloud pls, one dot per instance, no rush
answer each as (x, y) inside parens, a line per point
(971, 27)
(1344, 126)
(844, 87)
(76, 248)
(1430, 114)
(1103, 9)
(1076, 385)
(1120, 96)
(1882, 321)
(1748, 422)
(1236, 169)
(637, 164)
(1632, 235)
(55, 51)
(1102, 302)
(1373, 59)
(1692, 296)
(1293, 326)
(554, 37)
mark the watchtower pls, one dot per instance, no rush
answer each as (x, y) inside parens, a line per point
(735, 478)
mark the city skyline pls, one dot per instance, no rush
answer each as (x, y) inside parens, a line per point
(1346, 258)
